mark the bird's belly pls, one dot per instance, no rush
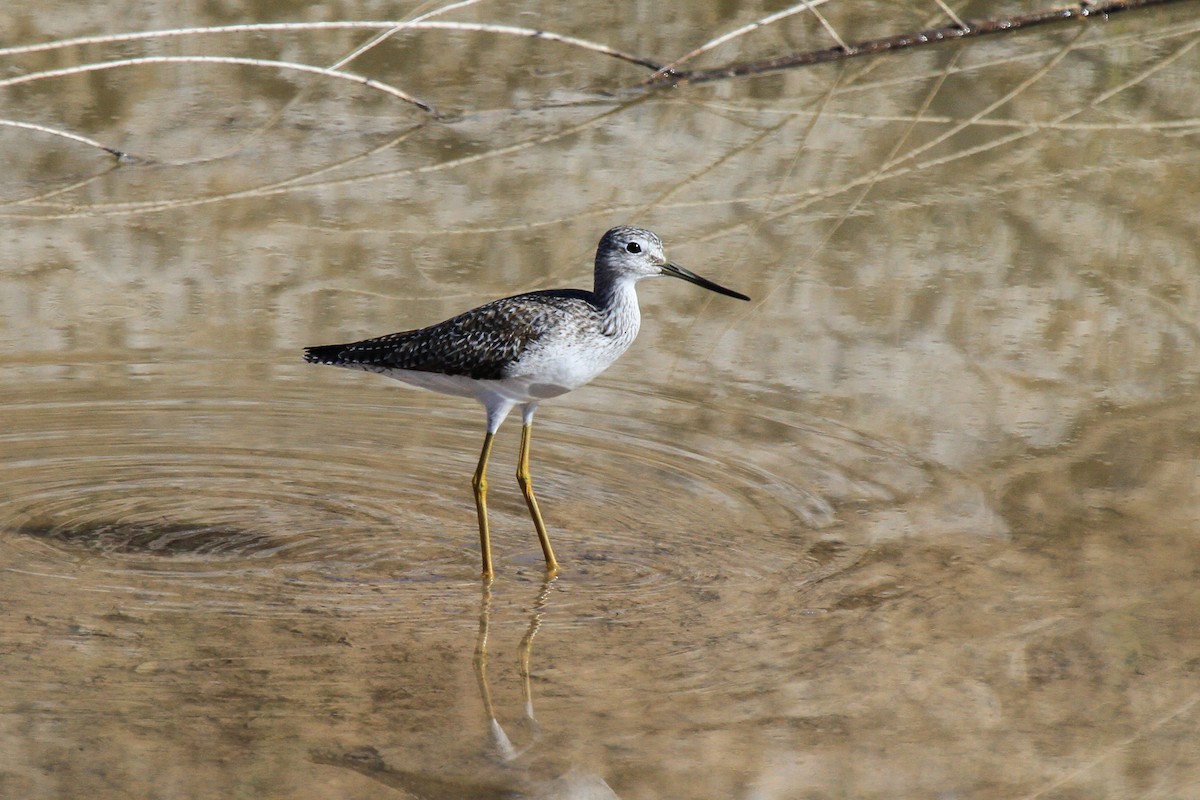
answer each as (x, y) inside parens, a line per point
(544, 372)
(459, 385)
(537, 376)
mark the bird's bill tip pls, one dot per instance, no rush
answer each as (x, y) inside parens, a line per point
(676, 271)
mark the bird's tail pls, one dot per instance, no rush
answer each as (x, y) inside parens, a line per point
(325, 354)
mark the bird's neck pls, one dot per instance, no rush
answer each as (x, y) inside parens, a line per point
(618, 306)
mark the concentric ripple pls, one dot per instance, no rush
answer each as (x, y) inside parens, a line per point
(344, 496)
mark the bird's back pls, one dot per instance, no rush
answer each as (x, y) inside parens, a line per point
(481, 344)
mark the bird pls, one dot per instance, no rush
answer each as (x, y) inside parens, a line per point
(523, 349)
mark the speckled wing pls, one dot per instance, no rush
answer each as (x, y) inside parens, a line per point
(477, 344)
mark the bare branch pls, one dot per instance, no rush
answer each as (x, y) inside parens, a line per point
(962, 29)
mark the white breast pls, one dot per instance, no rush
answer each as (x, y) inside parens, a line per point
(559, 364)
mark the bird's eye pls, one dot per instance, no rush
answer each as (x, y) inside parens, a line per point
(633, 247)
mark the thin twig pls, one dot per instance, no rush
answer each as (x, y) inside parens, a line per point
(742, 31)
(399, 26)
(1185, 125)
(292, 185)
(358, 51)
(892, 162)
(234, 60)
(957, 20)
(120, 155)
(825, 24)
(1116, 747)
(811, 197)
(470, 27)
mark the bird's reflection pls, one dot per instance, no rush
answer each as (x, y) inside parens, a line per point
(504, 771)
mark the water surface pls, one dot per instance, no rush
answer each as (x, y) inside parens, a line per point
(918, 521)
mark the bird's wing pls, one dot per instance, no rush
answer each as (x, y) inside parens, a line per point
(478, 344)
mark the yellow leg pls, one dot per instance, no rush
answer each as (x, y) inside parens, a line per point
(479, 483)
(524, 478)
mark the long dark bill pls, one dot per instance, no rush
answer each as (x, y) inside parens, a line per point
(676, 271)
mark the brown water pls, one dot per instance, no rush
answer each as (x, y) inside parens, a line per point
(920, 521)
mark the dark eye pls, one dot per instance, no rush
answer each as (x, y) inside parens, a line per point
(633, 247)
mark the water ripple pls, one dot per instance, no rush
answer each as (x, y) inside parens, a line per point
(342, 499)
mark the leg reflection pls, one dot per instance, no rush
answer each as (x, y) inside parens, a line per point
(526, 649)
(500, 741)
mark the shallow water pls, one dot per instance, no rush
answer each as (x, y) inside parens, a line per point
(920, 520)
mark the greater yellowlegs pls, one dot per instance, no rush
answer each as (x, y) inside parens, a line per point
(524, 349)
